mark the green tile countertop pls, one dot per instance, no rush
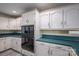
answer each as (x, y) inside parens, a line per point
(10, 35)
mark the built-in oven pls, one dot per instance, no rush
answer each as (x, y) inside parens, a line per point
(28, 37)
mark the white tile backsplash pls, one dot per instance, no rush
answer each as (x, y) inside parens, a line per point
(73, 32)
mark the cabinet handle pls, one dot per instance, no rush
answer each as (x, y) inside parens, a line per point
(49, 25)
(62, 22)
(27, 20)
(16, 42)
(49, 51)
(41, 44)
(58, 47)
(65, 22)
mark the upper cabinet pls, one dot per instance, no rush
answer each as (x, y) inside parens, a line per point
(71, 17)
(64, 18)
(44, 20)
(12, 24)
(28, 18)
(56, 19)
(18, 23)
(8, 23)
(4, 23)
(51, 19)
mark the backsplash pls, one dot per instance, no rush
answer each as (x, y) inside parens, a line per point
(53, 32)
(73, 32)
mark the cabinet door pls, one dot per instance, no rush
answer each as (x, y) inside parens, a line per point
(44, 21)
(41, 49)
(13, 43)
(18, 45)
(28, 18)
(58, 51)
(24, 20)
(12, 24)
(2, 44)
(56, 18)
(71, 17)
(18, 23)
(3, 23)
(31, 17)
(7, 43)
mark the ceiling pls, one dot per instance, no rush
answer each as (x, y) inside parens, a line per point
(20, 8)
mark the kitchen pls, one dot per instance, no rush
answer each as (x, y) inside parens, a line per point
(39, 29)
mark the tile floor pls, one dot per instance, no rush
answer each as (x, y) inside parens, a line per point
(10, 53)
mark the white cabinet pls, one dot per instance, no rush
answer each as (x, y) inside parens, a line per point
(24, 20)
(12, 24)
(61, 18)
(44, 20)
(2, 44)
(28, 18)
(51, 19)
(18, 23)
(41, 49)
(3, 23)
(58, 51)
(71, 17)
(5, 43)
(56, 19)
(16, 44)
(8, 23)
(8, 42)
(47, 49)
(15, 23)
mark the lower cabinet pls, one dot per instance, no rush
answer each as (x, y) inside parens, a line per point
(2, 44)
(56, 51)
(8, 42)
(47, 49)
(41, 49)
(16, 44)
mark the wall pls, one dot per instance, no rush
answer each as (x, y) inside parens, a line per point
(73, 32)
(53, 32)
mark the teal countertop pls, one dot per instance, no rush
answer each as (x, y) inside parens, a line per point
(10, 35)
(71, 41)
